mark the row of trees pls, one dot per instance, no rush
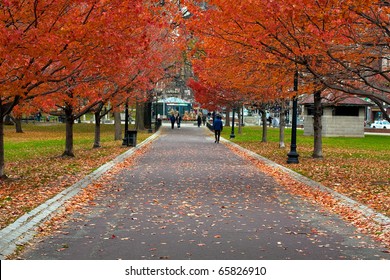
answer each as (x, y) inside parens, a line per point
(249, 51)
(76, 56)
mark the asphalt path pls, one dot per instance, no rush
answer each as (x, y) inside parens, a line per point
(188, 198)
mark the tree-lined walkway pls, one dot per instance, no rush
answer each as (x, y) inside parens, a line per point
(189, 198)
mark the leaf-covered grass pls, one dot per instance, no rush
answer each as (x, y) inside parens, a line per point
(36, 169)
(356, 167)
(50, 139)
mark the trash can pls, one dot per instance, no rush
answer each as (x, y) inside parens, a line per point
(132, 138)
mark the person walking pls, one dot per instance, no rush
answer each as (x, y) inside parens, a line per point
(218, 126)
(173, 119)
(269, 119)
(204, 118)
(199, 119)
(178, 120)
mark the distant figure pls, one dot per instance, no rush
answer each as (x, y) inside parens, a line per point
(199, 119)
(204, 118)
(218, 126)
(178, 120)
(270, 121)
(39, 116)
(173, 119)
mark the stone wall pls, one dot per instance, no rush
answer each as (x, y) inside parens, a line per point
(337, 126)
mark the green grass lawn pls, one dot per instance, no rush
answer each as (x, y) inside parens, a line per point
(49, 139)
(347, 146)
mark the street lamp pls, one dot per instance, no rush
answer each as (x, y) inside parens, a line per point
(156, 121)
(293, 155)
(232, 134)
(150, 129)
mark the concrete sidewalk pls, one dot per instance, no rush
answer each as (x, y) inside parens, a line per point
(189, 198)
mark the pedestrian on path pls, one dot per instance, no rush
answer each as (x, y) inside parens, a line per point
(204, 117)
(173, 119)
(199, 119)
(178, 120)
(218, 126)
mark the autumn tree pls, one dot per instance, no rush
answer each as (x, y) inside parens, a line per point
(228, 64)
(62, 51)
(362, 60)
(31, 51)
(319, 37)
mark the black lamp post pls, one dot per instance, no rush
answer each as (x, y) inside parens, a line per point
(156, 121)
(150, 129)
(232, 134)
(125, 139)
(242, 116)
(293, 155)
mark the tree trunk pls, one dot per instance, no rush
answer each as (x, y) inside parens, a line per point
(139, 121)
(317, 125)
(239, 121)
(2, 160)
(69, 120)
(147, 115)
(18, 125)
(282, 125)
(5, 109)
(227, 122)
(96, 143)
(264, 121)
(17, 122)
(118, 126)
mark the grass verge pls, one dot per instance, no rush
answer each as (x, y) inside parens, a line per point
(355, 167)
(36, 169)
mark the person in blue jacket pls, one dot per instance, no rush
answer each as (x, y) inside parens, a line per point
(217, 125)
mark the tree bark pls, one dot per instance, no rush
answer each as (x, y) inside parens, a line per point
(139, 120)
(18, 125)
(264, 121)
(239, 120)
(147, 115)
(2, 159)
(5, 109)
(317, 125)
(118, 126)
(17, 122)
(282, 124)
(69, 121)
(227, 122)
(96, 143)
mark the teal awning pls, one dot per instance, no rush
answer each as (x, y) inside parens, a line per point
(174, 101)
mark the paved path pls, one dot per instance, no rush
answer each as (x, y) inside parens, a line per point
(189, 198)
